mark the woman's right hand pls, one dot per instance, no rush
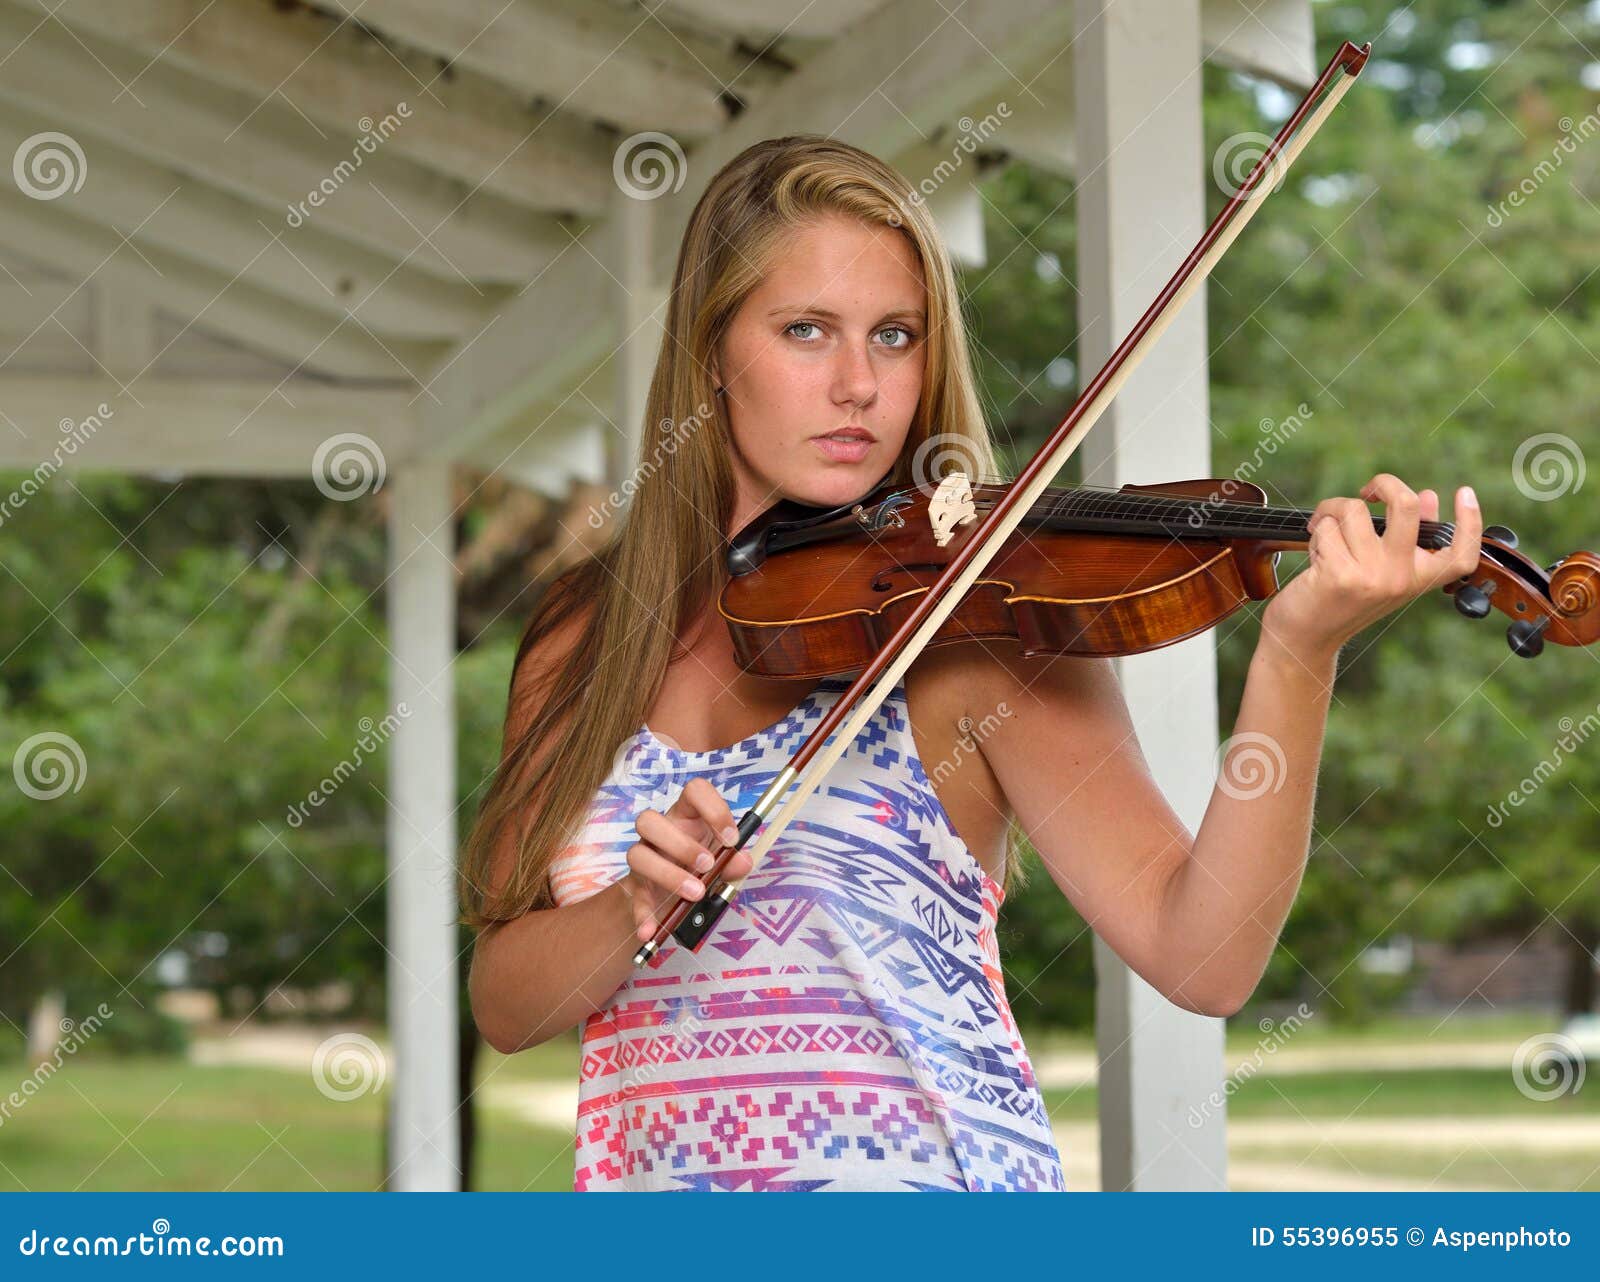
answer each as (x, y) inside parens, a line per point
(675, 846)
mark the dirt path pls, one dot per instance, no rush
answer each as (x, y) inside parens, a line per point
(1080, 1068)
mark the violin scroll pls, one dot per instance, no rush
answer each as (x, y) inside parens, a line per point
(1560, 604)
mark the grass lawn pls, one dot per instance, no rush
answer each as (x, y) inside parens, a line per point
(1422, 1092)
(161, 1123)
(1475, 1167)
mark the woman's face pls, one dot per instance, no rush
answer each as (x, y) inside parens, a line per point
(831, 341)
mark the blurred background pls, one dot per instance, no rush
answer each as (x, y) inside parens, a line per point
(195, 695)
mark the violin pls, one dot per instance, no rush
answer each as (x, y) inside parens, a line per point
(817, 592)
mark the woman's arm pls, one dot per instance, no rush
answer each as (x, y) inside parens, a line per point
(545, 971)
(1198, 917)
(550, 969)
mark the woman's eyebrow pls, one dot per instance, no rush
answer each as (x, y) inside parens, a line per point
(825, 313)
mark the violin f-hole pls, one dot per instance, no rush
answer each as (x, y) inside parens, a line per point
(882, 581)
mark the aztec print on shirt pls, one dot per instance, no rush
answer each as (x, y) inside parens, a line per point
(845, 1027)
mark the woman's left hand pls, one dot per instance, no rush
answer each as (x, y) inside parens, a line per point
(1356, 577)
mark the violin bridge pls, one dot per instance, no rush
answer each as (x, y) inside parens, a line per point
(950, 506)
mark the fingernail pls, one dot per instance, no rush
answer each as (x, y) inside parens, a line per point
(689, 888)
(730, 835)
(703, 860)
(1468, 496)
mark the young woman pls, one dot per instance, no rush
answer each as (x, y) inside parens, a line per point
(846, 1026)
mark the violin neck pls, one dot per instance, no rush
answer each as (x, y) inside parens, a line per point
(1120, 512)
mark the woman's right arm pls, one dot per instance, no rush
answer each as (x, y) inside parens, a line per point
(547, 970)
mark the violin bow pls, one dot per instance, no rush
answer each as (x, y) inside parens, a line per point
(690, 920)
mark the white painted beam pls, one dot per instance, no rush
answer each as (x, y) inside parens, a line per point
(620, 66)
(640, 301)
(768, 19)
(421, 943)
(196, 427)
(1269, 38)
(551, 454)
(160, 207)
(473, 132)
(124, 332)
(1140, 207)
(45, 233)
(273, 158)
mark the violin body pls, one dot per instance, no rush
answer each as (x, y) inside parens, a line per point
(828, 606)
(818, 592)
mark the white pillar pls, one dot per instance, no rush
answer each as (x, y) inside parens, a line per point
(421, 837)
(1140, 207)
(640, 305)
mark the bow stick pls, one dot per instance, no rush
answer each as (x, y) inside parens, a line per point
(690, 921)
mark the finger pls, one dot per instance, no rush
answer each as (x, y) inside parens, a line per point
(1429, 500)
(1467, 543)
(672, 841)
(738, 867)
(661, 872)
(1402, 520)
(1402, 515)
(700, 800)
(1329, 545)
(1355, 526)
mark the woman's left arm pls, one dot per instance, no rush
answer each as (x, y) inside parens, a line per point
(1198, 918)
(1226, 904)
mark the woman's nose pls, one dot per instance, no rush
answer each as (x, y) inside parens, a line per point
(855, 381)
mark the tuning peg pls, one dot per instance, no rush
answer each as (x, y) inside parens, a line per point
(1527, 639)
(1501, 534)
(1473, 601)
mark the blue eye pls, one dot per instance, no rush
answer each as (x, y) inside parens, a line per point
(897, 329)
(796, 325)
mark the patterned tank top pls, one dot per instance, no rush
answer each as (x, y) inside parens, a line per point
(845, 1026)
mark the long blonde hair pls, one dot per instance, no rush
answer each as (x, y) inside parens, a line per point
(664, 564)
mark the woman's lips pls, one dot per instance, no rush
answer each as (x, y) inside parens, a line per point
(844, 450)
